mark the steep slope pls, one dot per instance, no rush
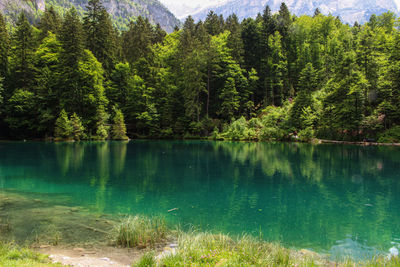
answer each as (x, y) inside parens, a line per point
(349, 10)
(122, 11)
(182, 8)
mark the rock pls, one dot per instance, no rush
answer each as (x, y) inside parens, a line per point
(394, 252)
(173, 245)
(105, 259)
(44, 246)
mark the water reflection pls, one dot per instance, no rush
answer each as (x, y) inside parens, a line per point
(302, 195)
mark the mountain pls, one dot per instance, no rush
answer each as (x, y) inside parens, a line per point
(183, 8)
(348, 10)
(122, 11)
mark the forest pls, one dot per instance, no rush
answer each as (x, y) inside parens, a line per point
(277, 77)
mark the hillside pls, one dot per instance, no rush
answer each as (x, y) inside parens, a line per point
(122, 11)
(348, 10)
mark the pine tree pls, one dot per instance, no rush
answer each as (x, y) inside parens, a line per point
(49, 22)
(213, 24)
(235, 42)
(100, 34)
(22, 54)
(63, 129)
(158, 34)
(230, 99)
(118, 128)
(4, 48)
(137, 40)
(307, 84)
(101, 120)
(71, 39)
(77, 127)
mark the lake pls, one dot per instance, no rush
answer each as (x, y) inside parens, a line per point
(336, 199)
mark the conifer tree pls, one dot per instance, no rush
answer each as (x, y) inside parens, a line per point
(159, 34)
(137, 40)
(230, 99)
(71, 39)
(22, 54)
(213, 24)
(63, 129)
(49, 22)
(235, 42)
(118, 128)
(100, 34)
(77, 127)
(307, 84)
(101, 120)
(4, 48)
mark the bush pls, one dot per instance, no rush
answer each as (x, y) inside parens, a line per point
(236, 130)
(147, 260)
(11, 255)
(118, 129)
(63, 129)
(272, 134)
(140, 231)
(390, 136)
(306, 135)
(205, 249)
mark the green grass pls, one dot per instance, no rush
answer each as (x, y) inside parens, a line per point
(140, 231)
(11, 255)
(206, 249)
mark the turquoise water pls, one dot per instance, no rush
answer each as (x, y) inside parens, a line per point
(328, 198)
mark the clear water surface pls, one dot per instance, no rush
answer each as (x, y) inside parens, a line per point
(328, 198)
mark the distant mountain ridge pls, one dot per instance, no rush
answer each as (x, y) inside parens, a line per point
(122, 11)
(348, 10)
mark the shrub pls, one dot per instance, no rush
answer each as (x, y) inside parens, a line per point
(118, 129)
(272, 134)
(235, 131)
(77, 127)
(140, 231)
(63, 129)
(147, 260)
(306, 135)
(390, 136)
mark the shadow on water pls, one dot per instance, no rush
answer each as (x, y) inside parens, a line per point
(318, 197)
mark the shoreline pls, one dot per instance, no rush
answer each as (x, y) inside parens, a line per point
(314, 142)
(100, 249)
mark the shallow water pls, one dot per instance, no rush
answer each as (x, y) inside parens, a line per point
(332, 199)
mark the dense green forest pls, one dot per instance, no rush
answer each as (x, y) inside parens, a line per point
(275, 77)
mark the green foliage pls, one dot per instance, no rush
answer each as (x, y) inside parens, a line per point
(206, 249)
(268, 78)
(63, 129)
(390, 136)
(22, 54)
(140, 231)
(118, 128)
(78, 131)
(4, 48)
(21, 112)
(147, 260)
(12, 255)
(101, 127)
(306, 135)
